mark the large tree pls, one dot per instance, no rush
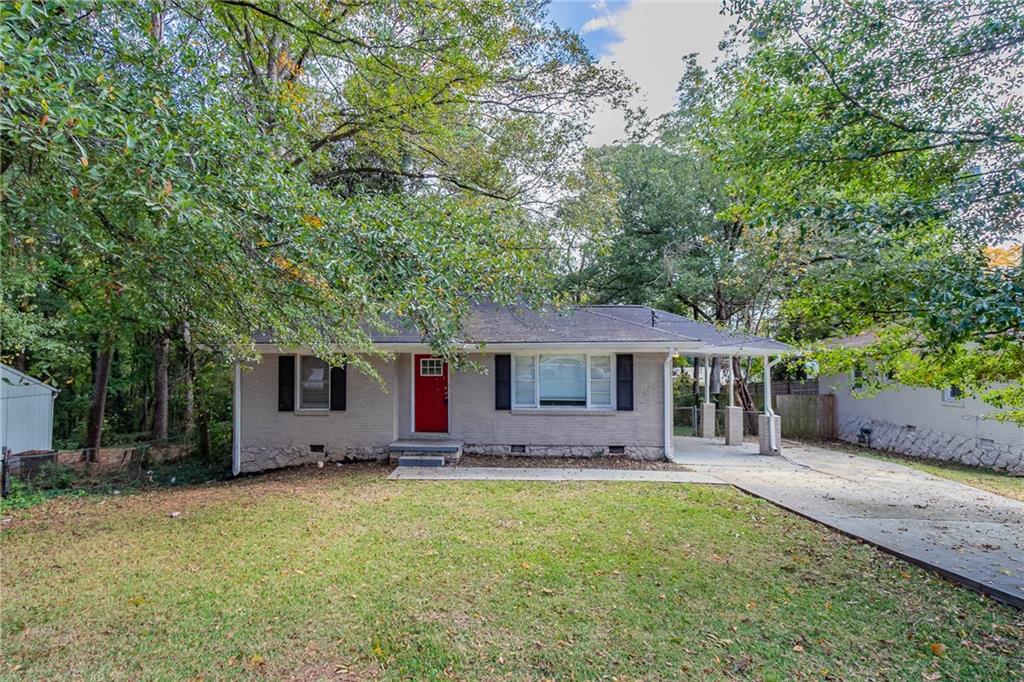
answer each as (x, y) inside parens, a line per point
(311, 168)
(884, 143)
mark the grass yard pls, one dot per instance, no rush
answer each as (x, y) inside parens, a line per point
(340, 574)
(997, 482)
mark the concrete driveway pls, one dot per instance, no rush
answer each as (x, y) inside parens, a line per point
(971, 536)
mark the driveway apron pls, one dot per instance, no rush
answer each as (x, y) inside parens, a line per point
(971, 536)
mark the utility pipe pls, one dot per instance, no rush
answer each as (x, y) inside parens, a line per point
(768, 364)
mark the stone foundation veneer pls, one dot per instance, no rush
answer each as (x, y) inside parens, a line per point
(931, 444)
(260, 458)
(639, 452)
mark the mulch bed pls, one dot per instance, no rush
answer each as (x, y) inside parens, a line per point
(608, 462)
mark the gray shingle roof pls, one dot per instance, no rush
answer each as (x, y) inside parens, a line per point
(685, 327)
(488, 323)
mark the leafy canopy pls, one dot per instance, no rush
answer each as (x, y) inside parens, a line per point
(299, 167)
(885, 142)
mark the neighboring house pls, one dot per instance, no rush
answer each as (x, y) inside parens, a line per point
(26, 412)
(590, 381)
(924, 422)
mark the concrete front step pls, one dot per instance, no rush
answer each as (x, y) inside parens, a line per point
(406, 452)
(421, 461)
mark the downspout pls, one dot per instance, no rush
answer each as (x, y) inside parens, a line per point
(667, 422)
(394, 399)
(236, 425)
(768, 364)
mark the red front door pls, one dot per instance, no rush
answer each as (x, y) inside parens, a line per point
(431, 394)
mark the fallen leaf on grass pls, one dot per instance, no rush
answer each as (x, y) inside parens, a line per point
(938, 649)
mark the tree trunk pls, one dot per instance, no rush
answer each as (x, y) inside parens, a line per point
(98, 408)
(716, 377)
(156, 24)
(161, 351)
(742, 392)
(189, 417)
(204, 434)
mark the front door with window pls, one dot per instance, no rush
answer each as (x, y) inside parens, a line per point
(430, 394)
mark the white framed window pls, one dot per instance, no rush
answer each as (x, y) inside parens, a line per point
(953, 395)
(601, 381)
(524, 381)
(314, 383)
(563, 380)
(431, 367)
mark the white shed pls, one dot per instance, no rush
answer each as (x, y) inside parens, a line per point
(26, 412)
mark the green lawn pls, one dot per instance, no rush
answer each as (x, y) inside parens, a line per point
(340, 574)
(984, 479)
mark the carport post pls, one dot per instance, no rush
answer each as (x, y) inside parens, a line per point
(732, 385)
(707, 410)
(707, 379)
(769, 424)
(733, 414)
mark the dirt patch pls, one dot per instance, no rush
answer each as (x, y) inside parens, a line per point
(303, 481)
(568, 463)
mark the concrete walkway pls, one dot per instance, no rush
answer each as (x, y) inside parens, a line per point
(539, 474)
(971, 536)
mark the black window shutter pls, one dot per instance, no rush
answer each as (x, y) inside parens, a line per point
(624, 382)
(338, 376)
(503, 382)
(285, 383)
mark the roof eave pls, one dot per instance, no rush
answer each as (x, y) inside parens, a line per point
(405, 347)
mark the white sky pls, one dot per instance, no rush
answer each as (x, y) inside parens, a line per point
(649, 39)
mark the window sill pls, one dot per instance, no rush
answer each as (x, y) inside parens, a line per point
(562, 412)
(312, 413)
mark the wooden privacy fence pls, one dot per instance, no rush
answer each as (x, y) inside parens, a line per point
(807, 416)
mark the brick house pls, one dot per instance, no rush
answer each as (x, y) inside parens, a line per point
(588, 381)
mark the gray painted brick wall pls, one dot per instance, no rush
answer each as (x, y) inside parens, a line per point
(273, 439)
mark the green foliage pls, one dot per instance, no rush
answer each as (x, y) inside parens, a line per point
(21, 496)
(312, 170)
(879, 145)
(662, 239)
(53, 475)
(228, 174)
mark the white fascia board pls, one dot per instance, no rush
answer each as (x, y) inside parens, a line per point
(740, 351)
(634, 347)
(617, 346)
